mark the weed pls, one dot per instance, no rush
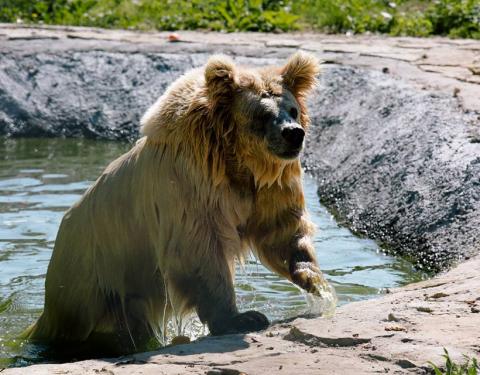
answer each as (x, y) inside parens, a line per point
(469, 367)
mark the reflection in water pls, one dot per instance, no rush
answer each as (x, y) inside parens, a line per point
(41, 178)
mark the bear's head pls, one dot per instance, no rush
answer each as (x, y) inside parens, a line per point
(265, 106)
(235, 121)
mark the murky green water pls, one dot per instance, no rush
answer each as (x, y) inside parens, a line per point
(41, 178)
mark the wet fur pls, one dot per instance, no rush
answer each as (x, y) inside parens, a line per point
(159, 231)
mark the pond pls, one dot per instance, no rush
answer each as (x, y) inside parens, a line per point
(41, 178)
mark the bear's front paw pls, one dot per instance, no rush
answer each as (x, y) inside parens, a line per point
(308, 277)
(249, 321)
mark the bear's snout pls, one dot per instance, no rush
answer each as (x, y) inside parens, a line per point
(293, 135)
(286, 140)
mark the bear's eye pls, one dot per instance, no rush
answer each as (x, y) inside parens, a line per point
(264, 94)
(294, 112)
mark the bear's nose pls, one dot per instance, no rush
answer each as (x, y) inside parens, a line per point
(293, 135)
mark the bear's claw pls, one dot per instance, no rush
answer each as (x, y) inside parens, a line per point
(308, 277)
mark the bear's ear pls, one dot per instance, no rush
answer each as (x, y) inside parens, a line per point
(220, 73)
(300, 72)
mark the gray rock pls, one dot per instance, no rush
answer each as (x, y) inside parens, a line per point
(397, 165)
(95, 94)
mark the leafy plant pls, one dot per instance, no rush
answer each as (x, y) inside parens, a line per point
(454, 18)
(221, 15)
(350, 15)
(469, 367)
(414, 25)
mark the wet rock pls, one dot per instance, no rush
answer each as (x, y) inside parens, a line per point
(395, 164)
(94, 94)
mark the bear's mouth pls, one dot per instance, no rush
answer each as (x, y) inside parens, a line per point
(283, 150)
(289, 154)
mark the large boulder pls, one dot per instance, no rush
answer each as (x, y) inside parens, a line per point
(397, 164)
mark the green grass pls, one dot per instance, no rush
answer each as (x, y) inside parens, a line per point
(453, 18)
(229, 15)
(469, 367)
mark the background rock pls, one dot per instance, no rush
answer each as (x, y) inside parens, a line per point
(95, 94)
(396, 164)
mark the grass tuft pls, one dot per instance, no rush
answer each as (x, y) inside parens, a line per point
(469, 367)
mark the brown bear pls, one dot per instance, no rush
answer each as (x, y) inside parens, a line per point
(216, 175)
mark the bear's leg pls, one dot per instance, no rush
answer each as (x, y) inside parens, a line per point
(124, 327)
(136, 320)
(66, 318)
(211, 292)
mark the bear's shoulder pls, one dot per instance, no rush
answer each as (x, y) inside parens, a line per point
(170, 108)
